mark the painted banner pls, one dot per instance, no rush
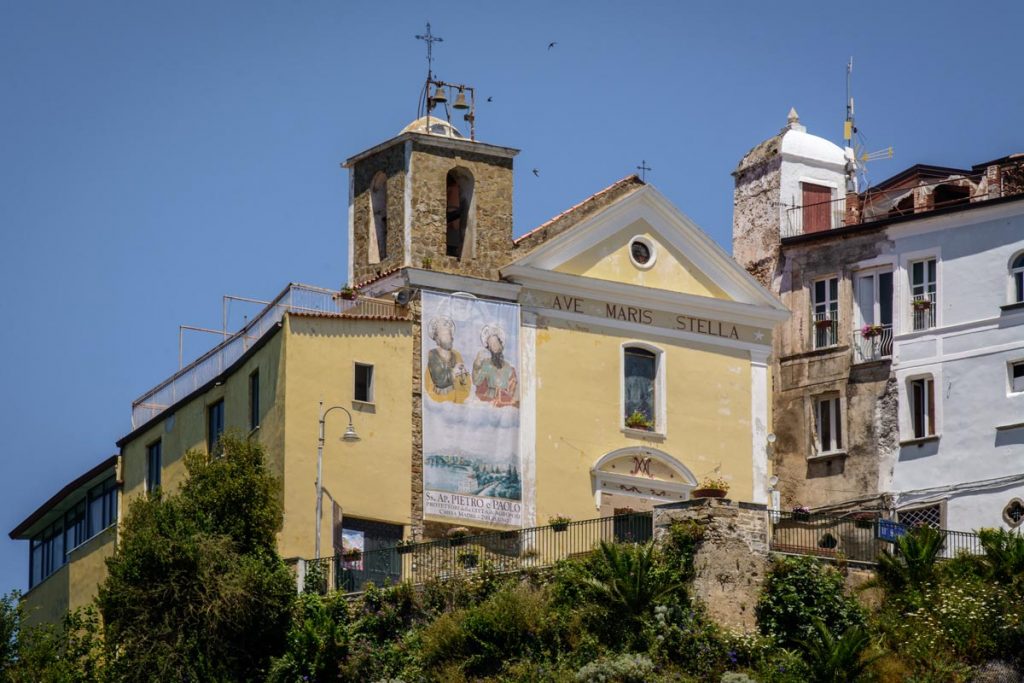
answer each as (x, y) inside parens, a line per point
(471, 462)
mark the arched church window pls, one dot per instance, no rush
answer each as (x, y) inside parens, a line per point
(379, 223)
(640, 393)
(1017, 278)
(459, 213)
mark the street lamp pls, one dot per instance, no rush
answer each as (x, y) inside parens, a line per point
(349, 437)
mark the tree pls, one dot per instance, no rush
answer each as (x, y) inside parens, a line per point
(912, 563)
(196, 589)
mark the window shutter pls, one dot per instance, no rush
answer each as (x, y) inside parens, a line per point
(817, 207)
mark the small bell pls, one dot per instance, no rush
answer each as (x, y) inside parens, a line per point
(460, 101)
(439, 96)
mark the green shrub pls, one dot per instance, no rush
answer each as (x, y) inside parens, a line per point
(625, 668)
(317, 640)
(685, 636)
(736, 677)
(799, 590)
(837, 659)
(1004, 555)
(912, 562)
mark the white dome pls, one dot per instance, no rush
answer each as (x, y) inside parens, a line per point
(438, 126)
(799, 143)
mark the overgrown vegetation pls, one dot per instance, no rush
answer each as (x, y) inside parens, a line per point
(196, 592)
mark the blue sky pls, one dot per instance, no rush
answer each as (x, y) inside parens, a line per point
(154, 156)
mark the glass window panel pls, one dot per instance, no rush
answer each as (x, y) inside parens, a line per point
(885, 298)
(866, 299)
(640, 371)
(838, 424)
(254, 400)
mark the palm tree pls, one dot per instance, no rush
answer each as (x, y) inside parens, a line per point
(631, 585)
(1004, 554)
(837, 660)
(913, 561)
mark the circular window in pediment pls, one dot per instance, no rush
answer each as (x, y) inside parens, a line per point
(641, 252)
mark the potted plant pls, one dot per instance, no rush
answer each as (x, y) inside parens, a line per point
(870, 331)
(559, 523)
(711, 487)
(348, 293)
(468, 558)
(405, 547)
(801, 513)
(428, 263)
(352, 554)
(637, 420)
(922, 304)
(457, 535)
(823, 323)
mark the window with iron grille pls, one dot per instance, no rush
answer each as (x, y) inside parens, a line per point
(1013, 513)
(930, 516)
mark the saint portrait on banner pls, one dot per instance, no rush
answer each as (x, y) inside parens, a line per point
(447, 377)
(493, 376)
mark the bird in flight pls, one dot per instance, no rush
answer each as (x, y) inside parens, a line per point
(536, 172)
(490, 99)
(552, 44)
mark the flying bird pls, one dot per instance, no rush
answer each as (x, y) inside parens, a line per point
(552, 44)
(490, 99)
(536, 172)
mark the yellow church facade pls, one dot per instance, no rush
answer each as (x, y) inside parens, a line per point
(607, 361)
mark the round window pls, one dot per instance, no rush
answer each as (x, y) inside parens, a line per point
(641, 252)
(1013, 513)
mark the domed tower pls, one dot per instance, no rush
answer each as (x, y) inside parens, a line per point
(786, 185)
(430, 198)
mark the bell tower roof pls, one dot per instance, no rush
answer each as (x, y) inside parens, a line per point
(438, 126)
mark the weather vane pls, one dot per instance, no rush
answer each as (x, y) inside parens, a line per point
(643, 168)
(429, 38)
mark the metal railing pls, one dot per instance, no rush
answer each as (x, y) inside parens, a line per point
(817, 217)
(824, 330)
(872, 342)
(295, 298)
(922, 308)
(850, 538)
(501, 551)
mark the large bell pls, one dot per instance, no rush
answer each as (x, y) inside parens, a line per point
(460, 101)
(439, 95)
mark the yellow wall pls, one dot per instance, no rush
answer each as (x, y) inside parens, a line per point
(186, 430)
(579, 413)
(75, 584)
(370, 479)
(610, 260)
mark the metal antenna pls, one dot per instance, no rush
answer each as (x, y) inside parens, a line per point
(643, 168)
(430, 39)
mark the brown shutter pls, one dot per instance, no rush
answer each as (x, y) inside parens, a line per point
(817, 208)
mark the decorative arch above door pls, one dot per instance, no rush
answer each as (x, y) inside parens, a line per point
(641, 472)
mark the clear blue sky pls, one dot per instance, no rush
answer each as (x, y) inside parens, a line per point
(154, 156)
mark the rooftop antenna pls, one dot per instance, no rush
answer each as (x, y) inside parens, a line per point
(856, 157)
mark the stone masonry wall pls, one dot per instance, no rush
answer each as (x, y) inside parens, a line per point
(492, 189)
(392, 162)
(731, 561)
(755, 232)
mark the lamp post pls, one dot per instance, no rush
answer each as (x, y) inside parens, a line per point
(349, 436)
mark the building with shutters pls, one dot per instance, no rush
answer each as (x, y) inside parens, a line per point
(897, 381)
(603, 362)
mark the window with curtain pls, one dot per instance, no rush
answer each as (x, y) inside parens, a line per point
(641, 371)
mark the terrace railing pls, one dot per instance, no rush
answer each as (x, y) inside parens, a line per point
(824, 330)
(295, 298)
(501, 551)
(922, 308)
(849, 538)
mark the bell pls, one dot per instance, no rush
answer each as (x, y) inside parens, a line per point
(439, 95)
(460, 101)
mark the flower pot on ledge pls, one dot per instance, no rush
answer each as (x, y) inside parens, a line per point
(823, 324)
(709, 493)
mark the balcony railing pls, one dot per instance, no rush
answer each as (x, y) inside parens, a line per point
(808, 218)
(502, 551)
(294, 299)
(824, 330)
(872, 342)
(851, 538)
(922, 308)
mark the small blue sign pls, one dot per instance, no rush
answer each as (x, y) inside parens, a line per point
(887, 530)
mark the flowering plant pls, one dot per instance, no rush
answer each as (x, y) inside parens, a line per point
(801, 509)
(715, 483)
(638, 420)
(922, 304)
(869, 331)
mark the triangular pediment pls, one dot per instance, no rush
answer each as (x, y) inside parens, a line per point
(683, 258)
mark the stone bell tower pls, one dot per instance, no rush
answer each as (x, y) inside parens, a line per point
(430, 198)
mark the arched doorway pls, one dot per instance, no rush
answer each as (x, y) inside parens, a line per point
(637, 478)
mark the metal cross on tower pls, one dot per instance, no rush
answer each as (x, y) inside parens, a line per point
(643, 168)
(430, 39)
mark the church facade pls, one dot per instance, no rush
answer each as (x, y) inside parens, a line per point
(604, 362)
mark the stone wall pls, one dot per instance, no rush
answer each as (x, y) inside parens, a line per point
(731, 561)
(392, 162)
(492, 189)
(755, 231)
